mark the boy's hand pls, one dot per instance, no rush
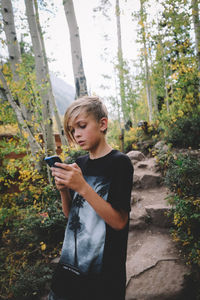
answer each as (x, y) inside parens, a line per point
(68, 176)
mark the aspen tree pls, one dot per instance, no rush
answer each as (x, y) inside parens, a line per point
(51, 96)
(41, 77)
(196, 21)
(15, 60)
(147, 73)
(77, 62)
(120, 61)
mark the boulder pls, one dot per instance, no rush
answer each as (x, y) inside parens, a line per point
(138, 219)
(150, 181)
(135, 155)
(161, 146)
(164, 281)
(135, 197)
(158, 215)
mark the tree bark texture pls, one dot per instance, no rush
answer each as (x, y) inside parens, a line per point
(15, 61)
(77, 62)
(11, 37)
(120, 62)
(51, 96)
(41, 77)
(148, 86)
(196, 21)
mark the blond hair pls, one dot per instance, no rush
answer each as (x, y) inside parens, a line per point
(89, 105)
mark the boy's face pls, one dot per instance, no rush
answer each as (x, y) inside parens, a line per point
(88, 132)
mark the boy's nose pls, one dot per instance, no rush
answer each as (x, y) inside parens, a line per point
(77, 133)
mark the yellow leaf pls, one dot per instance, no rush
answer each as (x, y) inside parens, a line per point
(43, 246)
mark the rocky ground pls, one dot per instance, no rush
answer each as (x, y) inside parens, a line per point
(155, 270)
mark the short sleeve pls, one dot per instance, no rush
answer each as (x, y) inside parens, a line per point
(121, 184)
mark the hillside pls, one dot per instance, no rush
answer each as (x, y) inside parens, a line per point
(63, 93)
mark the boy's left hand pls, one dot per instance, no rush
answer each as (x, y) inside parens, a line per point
(69, 175)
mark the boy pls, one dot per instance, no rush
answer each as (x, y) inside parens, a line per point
(95, 193)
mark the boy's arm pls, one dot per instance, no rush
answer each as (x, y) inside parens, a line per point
(65, 197)
(66, 201)
(117, 219)
(71, 176)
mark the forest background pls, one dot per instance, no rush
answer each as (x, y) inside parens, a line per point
(154, 98)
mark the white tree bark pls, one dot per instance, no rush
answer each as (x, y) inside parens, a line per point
(79, 75)
(120, 62)
(11, 37)
(51, 96)
(196, 21)
(41, 77)
(147, 75)
(15, 61)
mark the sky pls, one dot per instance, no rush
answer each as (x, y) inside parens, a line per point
(98, 54)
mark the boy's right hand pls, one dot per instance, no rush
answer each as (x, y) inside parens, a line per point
(70, 176)
(61, 187)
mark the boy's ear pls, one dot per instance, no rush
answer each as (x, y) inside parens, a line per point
(103, 124)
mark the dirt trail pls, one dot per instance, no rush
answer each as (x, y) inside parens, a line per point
(155, 270)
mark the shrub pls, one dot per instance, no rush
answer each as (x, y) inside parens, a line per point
(183, 175)
(30, 237)
(31, 282)
(184, 132)
(70, 154)
(186, 213)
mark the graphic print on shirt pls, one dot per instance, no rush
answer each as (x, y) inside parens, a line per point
(85, 233)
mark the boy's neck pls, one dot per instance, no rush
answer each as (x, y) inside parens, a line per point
(102, 150)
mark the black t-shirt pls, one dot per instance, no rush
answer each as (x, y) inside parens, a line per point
(90, 244)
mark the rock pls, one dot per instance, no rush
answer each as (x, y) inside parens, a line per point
(161, 146)
(150, 181)
(138, 219)
(136, 181)
(155, 270)
(135, 198)
(142, 165)
(146, 247)
(135, 155)
(158, 215)
(164, 281)
(134, 162)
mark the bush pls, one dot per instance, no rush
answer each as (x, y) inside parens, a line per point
(31, 236)
(183, 175)
(72, 154)
(186, 214)
(31, 282)
(184, 132)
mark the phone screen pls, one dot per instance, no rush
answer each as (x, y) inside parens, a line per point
(51, 160)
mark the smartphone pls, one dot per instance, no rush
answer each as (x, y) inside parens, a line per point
(51, 160)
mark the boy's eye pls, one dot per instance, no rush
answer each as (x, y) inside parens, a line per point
(82, 126)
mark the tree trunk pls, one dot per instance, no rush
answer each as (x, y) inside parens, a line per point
(164, 74)
(51, 96)
(120, 62)
(196, 21)
(35, 146)
(147, 75)
(15, 61)
(41, 77)
(79, 75)
(11, 37)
